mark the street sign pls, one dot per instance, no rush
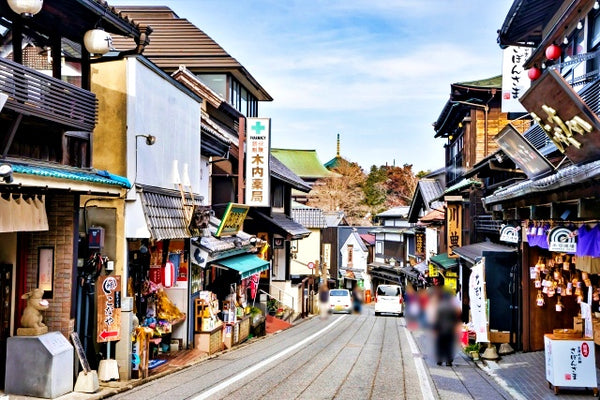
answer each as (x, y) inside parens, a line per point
(310, 265)
(108, 296)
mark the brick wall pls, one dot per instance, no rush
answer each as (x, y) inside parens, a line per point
(61, 221)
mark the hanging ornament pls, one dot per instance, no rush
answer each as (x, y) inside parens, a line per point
(596, 295)
(579, 299)
(553, 52)
(534, 73)
(559, 306)
(569, 290)
(537, 283)
(539, 301)
(557, 274)
(566, 266)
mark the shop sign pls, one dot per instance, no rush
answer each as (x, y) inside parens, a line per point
(453, 227)
(563, 240)
(326, 255)
(515, 81)
(478, 301)
(522, 152)
(450, 284)
(510, 234)
(258, 175)
(419, 243)
(566, 119)
(109, 308)
(233, 220)
(433, 271)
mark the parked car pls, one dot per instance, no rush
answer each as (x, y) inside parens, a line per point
(388, 299)
(340, 301)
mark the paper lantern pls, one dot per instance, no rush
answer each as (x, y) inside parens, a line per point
(534, 73)
(26, 8)
(552, 52)
(97, 41)
(168, 274)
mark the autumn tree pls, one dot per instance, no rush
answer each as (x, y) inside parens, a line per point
(400, 185)
(342, 191)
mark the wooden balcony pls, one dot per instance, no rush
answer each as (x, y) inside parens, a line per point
(34, 94)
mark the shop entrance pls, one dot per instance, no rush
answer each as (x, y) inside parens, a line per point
(5, 303)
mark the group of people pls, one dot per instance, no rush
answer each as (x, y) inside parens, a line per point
(435, 309)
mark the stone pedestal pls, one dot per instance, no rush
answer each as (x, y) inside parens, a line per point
(39, 366)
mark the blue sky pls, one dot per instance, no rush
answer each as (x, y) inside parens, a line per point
(377, 72)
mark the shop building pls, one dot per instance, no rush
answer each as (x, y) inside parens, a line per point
(49, 114)
(555, 207)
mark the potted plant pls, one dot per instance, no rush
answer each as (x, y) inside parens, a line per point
(272, 306)
(473, 351)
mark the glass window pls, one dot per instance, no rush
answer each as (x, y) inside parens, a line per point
(216, 82)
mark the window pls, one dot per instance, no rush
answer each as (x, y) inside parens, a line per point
(278, 201)
(350, 249)
(216, 82)
(575, 46)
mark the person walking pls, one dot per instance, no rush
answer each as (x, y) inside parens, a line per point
(323, 300)
(444, 327)
(357, 299)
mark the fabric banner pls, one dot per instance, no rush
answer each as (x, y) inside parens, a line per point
(478, 301)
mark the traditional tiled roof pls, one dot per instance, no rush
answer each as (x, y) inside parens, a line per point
(283, 173)
(334, 218)
(304, 163)
(309, 217)
(396, 212)
(284, 224)
(368, 238)
(176, 41)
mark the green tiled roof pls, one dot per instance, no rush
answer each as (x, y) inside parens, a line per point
(73, 174)
(462, 184)
(493, 82)
(443, 261)
(304, 163)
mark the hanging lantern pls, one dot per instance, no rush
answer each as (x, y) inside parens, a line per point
(553, 52)
(97, 41)
(569, 290)
(534, 73)
(168, 274)
(26, 8)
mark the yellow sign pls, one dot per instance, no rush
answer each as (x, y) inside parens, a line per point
(433, 271)
(233, 220)
(450, 284)
(453, 227)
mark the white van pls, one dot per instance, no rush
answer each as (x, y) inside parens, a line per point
(388, 299)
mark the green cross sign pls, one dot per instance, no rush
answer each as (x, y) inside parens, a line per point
(258, 127)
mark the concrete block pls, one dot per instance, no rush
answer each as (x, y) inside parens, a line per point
(39, 366)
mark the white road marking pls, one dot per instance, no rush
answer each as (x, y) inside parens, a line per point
(420, 367)
(263, 363)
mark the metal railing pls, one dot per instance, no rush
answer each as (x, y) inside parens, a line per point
(32, 93)
(486, 223)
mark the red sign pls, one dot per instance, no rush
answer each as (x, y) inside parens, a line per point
(310, 265)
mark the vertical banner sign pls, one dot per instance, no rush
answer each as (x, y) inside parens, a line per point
(420, 243)
(478, 302)
(515, 81)
(258, 148)
(453, 227)
(108, 295)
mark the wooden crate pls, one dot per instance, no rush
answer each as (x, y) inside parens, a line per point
(244, 328)
(500, 337)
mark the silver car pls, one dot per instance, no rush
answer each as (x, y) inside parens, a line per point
(340, 301)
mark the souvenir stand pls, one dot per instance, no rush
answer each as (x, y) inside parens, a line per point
(566, 284)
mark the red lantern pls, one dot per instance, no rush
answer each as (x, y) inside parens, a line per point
(552, 52)
(534, 73)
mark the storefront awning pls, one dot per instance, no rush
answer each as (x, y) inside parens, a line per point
(386, 276)
(163, 209)
(246, 265)
(443, 261)
(422, 267)
(474, 252)
(285, 225)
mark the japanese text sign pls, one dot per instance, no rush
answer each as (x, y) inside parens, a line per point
(108, 295)
(514, 78)
(233, 220)
(478, 301)
(453, 227)
(258, 174)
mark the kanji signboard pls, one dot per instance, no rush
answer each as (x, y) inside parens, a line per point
(258, 148)
(108, 295)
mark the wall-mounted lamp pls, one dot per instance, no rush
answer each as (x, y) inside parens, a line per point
(596, 5)
(150, 140)
(26, 8)
(97, 41)
(6, 173)
(580, 25)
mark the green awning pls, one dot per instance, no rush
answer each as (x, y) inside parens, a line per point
(246, 265)
(443, 261)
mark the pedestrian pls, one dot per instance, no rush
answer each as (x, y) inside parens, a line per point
(357, 299)
(445, 327)
(323, 300)
(411, 301)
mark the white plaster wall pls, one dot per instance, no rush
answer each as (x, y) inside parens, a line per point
(156, 107)
(308, 251)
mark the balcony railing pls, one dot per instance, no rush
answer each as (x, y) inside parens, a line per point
(486, 223)
(34, 94)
